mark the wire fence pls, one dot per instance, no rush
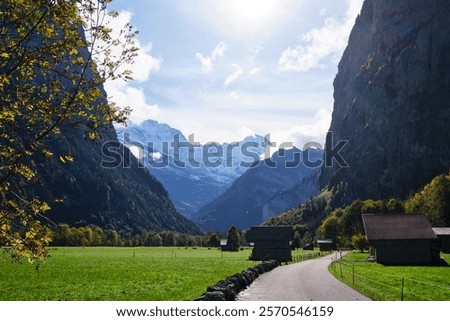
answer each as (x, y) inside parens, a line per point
(305, 257)
(389, 286)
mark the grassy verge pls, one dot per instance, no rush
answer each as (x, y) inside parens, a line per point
(112, 274)
(384, 283)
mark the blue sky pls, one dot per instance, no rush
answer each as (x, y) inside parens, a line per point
(226, 69)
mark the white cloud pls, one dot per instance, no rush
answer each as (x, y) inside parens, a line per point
(219, 51)
(208, 61)
(125, 93)
(245, 132)
(253, 71)
(299, 136)
(205, 61)
(234, 95)
(329, 41)
(144, 63)
(234, 76)
(242, 19)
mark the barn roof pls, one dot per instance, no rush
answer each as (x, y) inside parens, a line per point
(441, 230)
(269, 233)
(397, 227)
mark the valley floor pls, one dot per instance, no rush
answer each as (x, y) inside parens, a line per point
(120, 274)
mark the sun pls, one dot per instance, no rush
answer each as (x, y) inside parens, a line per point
(252, 17)
(252, 11)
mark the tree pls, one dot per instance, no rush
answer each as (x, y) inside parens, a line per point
(433, 200)
(54, 58)
(157, 240)
(297, 241)
(112, 238)
(359, 241)
(211, 239)
(169, 239)
(330, 228)
(307, 238)
(233, 238)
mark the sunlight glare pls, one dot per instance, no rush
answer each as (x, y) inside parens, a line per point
(252, 17)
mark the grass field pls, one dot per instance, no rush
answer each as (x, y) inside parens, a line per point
(384, 283)
(120, 274)
(116, 274)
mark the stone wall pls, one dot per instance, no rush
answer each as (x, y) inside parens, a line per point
(226, 290)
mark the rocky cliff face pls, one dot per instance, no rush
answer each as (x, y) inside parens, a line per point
(392, 101)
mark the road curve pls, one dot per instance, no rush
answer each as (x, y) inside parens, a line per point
(304, 281)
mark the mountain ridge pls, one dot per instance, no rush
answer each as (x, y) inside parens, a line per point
(193, 174)
(258, 193)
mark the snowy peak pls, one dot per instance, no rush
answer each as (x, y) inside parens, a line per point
(193, 174)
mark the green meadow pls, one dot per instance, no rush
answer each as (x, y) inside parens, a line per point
(113, 274)
(384, 283)
(121, 274)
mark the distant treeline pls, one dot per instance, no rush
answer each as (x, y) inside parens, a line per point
(92, 235)
(345, 224)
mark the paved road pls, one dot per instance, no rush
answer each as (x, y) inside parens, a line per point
(304, 281)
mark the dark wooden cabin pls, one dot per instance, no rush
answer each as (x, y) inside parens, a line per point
(443, 234)
(270, 243)
(326, 245)
(224, 246)
(401, 239)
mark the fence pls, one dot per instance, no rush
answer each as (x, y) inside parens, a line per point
(304, 257)
(385, 286)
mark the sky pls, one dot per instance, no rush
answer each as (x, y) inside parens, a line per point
(226, 69)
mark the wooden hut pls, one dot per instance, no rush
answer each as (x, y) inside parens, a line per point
(326, 245)
(270, 243)
(224, 246)
(401, 239)
(443, 234)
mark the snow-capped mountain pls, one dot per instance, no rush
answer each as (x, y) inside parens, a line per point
(193, 174)
(272, 186)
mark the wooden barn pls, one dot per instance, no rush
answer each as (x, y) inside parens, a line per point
(443, 234)
(326, 245)
(224, 246)
(401, 239)
(270, 243)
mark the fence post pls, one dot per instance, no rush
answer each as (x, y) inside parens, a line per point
(403, 286)
(353, 270)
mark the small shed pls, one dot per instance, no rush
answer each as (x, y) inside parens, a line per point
(224, 246)
(270, 243)
(443, 234)
(326, 245)
(401, 239)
